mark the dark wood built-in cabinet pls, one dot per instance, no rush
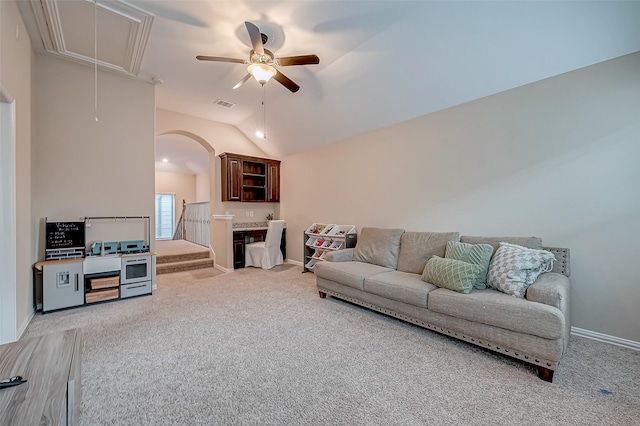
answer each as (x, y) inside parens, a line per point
(273, 176)
(250, 179)
(231, 167)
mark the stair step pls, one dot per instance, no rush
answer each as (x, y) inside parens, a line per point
(170, 258)
(185, 265)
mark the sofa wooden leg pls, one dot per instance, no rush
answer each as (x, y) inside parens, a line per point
(322, 294)
(545, 374)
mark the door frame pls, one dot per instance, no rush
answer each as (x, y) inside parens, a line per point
(8, 299)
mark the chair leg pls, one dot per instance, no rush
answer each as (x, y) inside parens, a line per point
(322, 294)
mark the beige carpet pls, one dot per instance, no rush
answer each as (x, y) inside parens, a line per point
(258, 347)
(173, 247)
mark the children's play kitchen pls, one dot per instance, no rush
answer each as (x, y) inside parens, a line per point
(96, 259)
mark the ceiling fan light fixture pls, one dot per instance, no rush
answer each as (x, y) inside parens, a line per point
(261, 72)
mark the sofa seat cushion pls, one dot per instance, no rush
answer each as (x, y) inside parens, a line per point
(494, 308)
(400, 286)
(351, 274)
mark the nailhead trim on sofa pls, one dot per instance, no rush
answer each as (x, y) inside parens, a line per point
(552, 365)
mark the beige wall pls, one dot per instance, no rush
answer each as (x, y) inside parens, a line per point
(15, 75)
(555, 159)
(214, 135)
(203, 187)
(182, 185)
(88, 168)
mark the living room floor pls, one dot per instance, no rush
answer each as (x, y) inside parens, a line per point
(260, 347)
(174, 247)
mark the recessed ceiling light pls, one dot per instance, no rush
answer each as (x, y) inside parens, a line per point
(260, 134)
(165, 160)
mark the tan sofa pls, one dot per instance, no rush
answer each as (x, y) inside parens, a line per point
(383, 273)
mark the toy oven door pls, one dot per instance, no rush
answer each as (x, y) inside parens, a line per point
(135, 269)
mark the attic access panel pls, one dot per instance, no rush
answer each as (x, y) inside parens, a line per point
(67, 29)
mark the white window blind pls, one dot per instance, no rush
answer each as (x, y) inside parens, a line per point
(165, 216)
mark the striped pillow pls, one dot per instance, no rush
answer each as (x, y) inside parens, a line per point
(475, 254)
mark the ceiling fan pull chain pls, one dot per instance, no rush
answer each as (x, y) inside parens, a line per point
(264, 112)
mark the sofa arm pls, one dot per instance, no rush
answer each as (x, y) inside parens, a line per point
(552, 289)
(345, 255)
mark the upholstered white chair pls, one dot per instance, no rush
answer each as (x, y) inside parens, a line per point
(266, 254)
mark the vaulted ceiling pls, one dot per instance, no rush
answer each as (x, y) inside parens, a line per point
(381, 62)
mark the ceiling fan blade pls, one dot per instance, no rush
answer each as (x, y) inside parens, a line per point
(299, 60)
(286, 82)
(256, 38)
(219, 59)
(241, 82)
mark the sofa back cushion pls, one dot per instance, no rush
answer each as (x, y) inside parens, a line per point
(529, 242)
(378, 246)
(416, 248)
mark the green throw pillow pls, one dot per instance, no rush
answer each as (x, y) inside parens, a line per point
(452, 274)
(476, 254)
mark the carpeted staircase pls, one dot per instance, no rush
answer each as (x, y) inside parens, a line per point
(166, 264)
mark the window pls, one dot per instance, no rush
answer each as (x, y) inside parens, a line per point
(165, 216)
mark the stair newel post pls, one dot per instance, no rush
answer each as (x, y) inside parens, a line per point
(184, 228)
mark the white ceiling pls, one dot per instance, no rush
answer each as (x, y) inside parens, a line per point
(184, 155)
(381, 62)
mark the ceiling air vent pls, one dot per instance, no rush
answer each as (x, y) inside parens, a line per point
(224, 103)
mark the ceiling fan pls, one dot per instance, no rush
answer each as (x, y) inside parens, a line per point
(262, 62)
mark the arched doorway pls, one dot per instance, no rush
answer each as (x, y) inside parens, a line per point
(189, 170)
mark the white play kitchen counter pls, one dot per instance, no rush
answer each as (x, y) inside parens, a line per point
(75, 282)
(95, 259)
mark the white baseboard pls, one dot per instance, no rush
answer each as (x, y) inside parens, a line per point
(222, 268)
(24, 326)
(605, 338)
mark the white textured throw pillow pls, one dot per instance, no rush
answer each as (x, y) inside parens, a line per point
(514, 268)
